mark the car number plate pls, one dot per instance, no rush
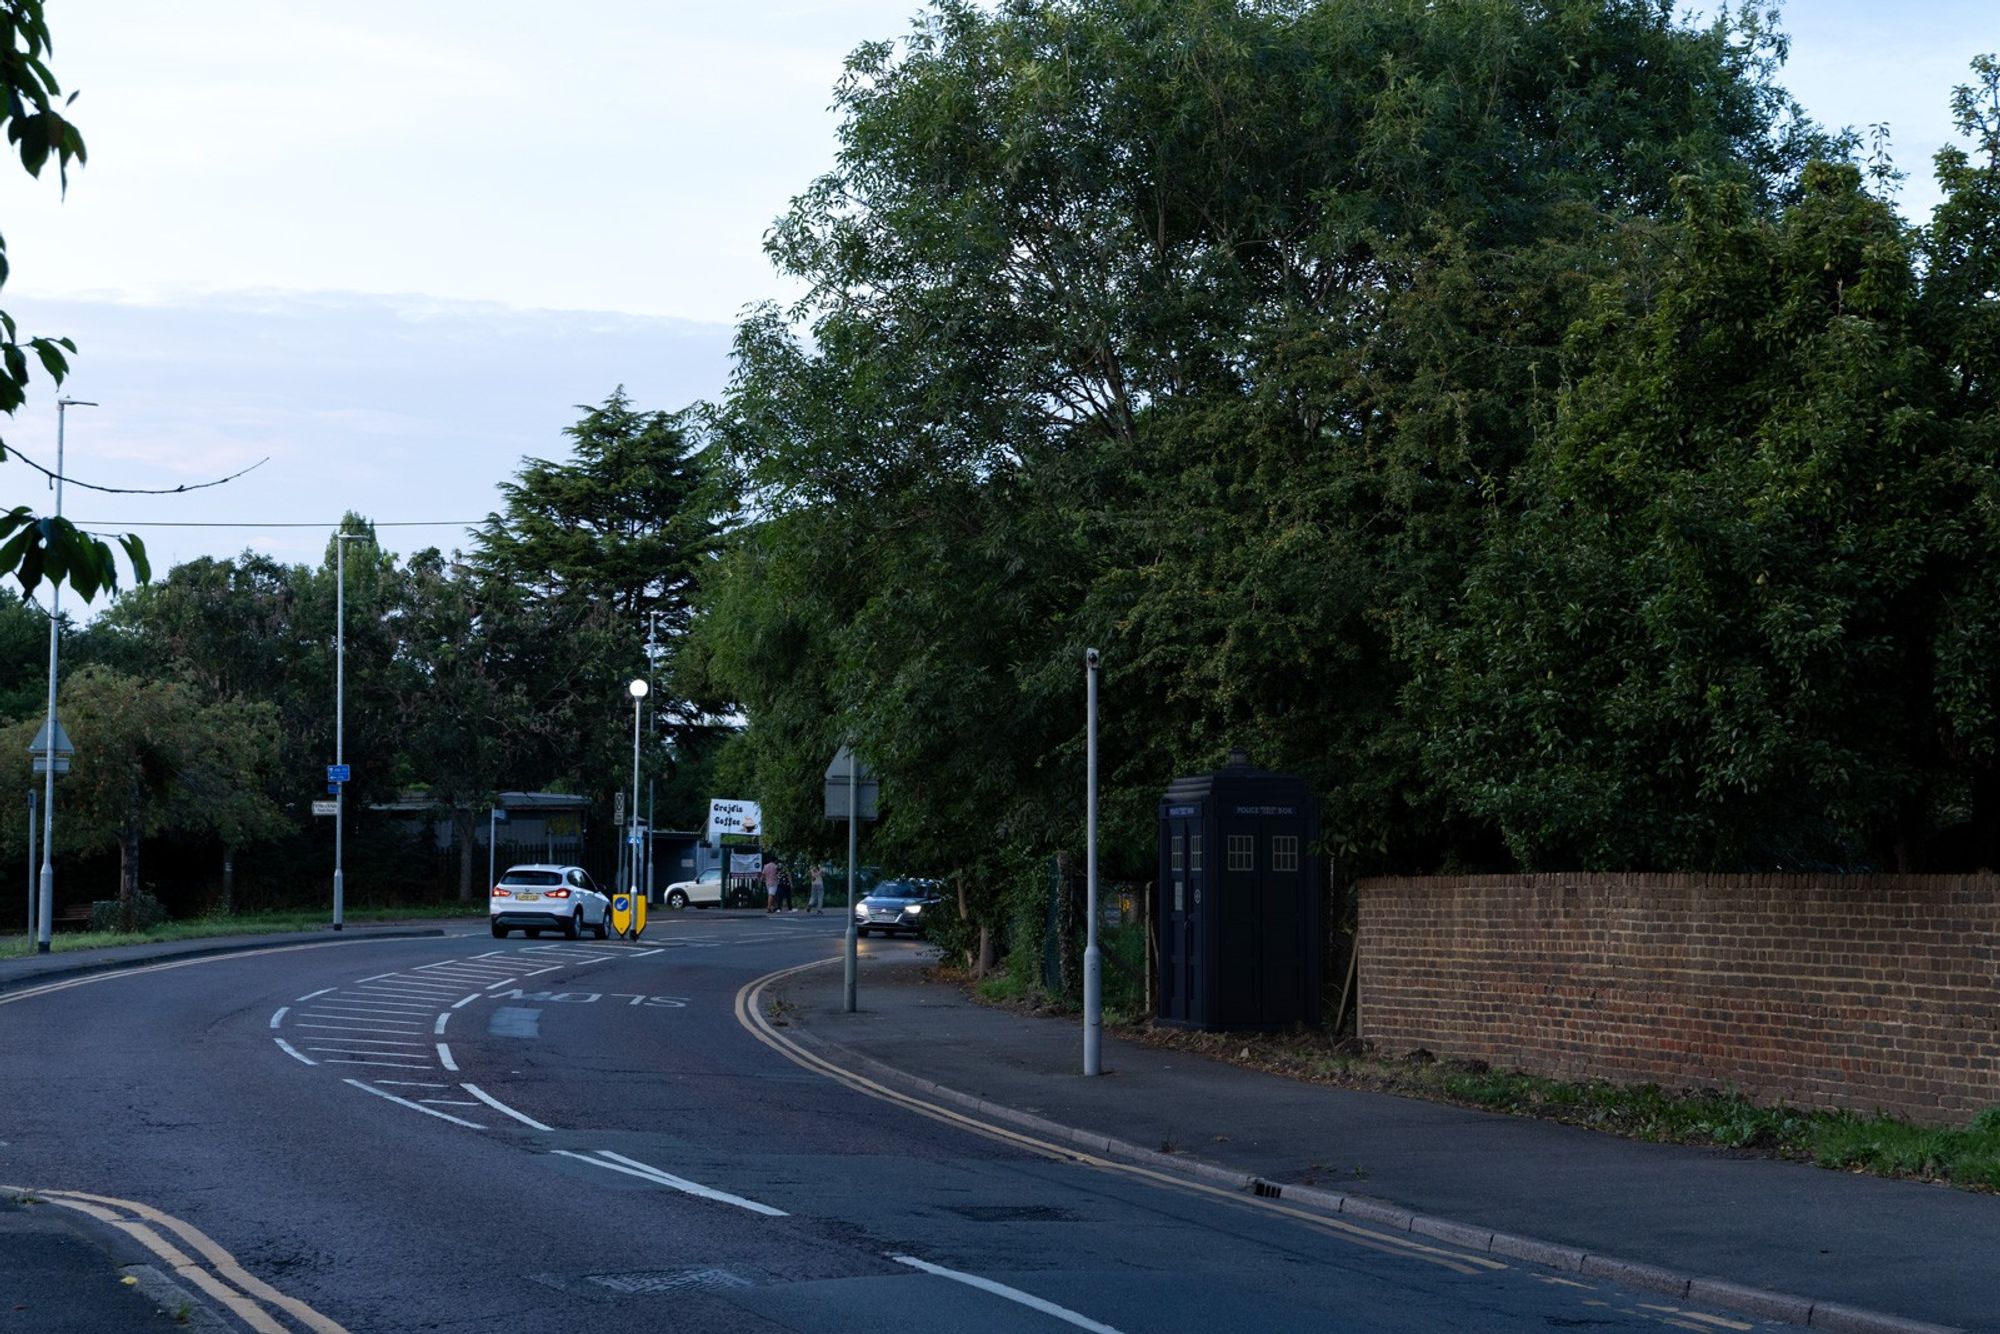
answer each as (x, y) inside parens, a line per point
(527, 896)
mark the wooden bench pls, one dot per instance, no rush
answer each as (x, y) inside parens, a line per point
(76, 915)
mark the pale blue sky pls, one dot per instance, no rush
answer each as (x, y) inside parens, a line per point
(391, 244)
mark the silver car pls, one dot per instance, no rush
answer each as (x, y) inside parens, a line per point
(897, 905)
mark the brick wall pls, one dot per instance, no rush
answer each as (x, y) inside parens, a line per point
(1867, 992)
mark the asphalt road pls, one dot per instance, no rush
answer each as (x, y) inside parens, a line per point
(550, 1135)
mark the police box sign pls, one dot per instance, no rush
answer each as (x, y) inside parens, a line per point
(733, 817)
(1267, 810)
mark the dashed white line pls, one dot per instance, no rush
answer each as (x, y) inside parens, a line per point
(632, 1167)
(439, 1027)
(310, 994)
(504, 982)
(334, 1033)
(278, 1019)
(468, 1000)
(502, 1107)
(444, 1055)
(1027, 1299)
(414, 1106)
(293, 1052)
(414, 1063)
(412, 1084)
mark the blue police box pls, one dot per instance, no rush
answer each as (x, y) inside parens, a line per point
(1239, 900)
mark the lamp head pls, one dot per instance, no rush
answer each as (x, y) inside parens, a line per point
(638, 688)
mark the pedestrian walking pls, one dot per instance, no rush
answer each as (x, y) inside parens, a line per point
(770, 883)
(816, 901)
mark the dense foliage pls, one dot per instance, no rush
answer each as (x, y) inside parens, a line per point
(1516, 417)
(1513, 415)
(202, 705)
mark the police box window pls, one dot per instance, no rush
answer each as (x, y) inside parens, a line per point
(1241, 856)
(1284, 852)
(1177, 853)
(1194, 852)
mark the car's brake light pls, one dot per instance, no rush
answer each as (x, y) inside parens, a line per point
(500, 893)
(558, 893)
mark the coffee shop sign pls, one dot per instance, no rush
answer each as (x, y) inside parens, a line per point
(733, 817)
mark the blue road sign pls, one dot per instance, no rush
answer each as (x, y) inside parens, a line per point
(333, 787)
(339, 773)
(622, 904)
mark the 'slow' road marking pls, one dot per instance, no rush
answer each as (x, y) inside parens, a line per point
(1027, 1299)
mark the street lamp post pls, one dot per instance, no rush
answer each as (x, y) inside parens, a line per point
(48, 876)
(638, 689)
(340, 723)
(1093, 963)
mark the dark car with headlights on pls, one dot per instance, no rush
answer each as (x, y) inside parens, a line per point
(897, 905)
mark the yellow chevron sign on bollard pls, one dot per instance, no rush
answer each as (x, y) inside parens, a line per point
(621, 913)
(638, 916)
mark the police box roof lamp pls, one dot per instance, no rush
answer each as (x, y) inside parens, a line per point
(1238, 757)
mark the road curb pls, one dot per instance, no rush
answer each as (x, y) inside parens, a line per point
(1761, 1302)
(65, 972)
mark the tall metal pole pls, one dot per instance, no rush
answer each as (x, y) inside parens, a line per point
(492, 844)
(48, 879)
(339, 726)
(853, 877)
(639, 687)
(1093, 963)
(31, 864)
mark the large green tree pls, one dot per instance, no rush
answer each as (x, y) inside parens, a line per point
(1202, 332)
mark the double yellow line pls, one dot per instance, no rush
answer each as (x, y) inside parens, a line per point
(750, 1013)
(210, 1268)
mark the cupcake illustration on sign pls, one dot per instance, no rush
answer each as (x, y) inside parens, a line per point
(750, 822)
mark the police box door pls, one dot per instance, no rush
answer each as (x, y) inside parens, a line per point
(1180, 916)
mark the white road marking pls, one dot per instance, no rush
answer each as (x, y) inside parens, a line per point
(368, 1042)
(634, 1168)
(468, 1000)
(385, 1007)
(353, 1015)
(407, 1063)
(414, 1106)
(439, 1028)
(292, 1052)
(444, 1054)
(504, 982)
(502, 1107)
(448, 1102)
(310, 994)
(412, 1084)
(278, 1019)
(354, 1028)
(1027, 1299)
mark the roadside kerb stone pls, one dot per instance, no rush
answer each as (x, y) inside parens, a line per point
(1753, 1301)
(1850, 1320)
(1632, 1273)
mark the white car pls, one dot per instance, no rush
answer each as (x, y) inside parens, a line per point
(538, 898)
(704, 891)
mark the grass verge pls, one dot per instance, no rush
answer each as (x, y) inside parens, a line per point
(243, 924)
(1966, 1156)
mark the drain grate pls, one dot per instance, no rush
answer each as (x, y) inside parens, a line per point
(670, 1280)
(1013, 1213)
